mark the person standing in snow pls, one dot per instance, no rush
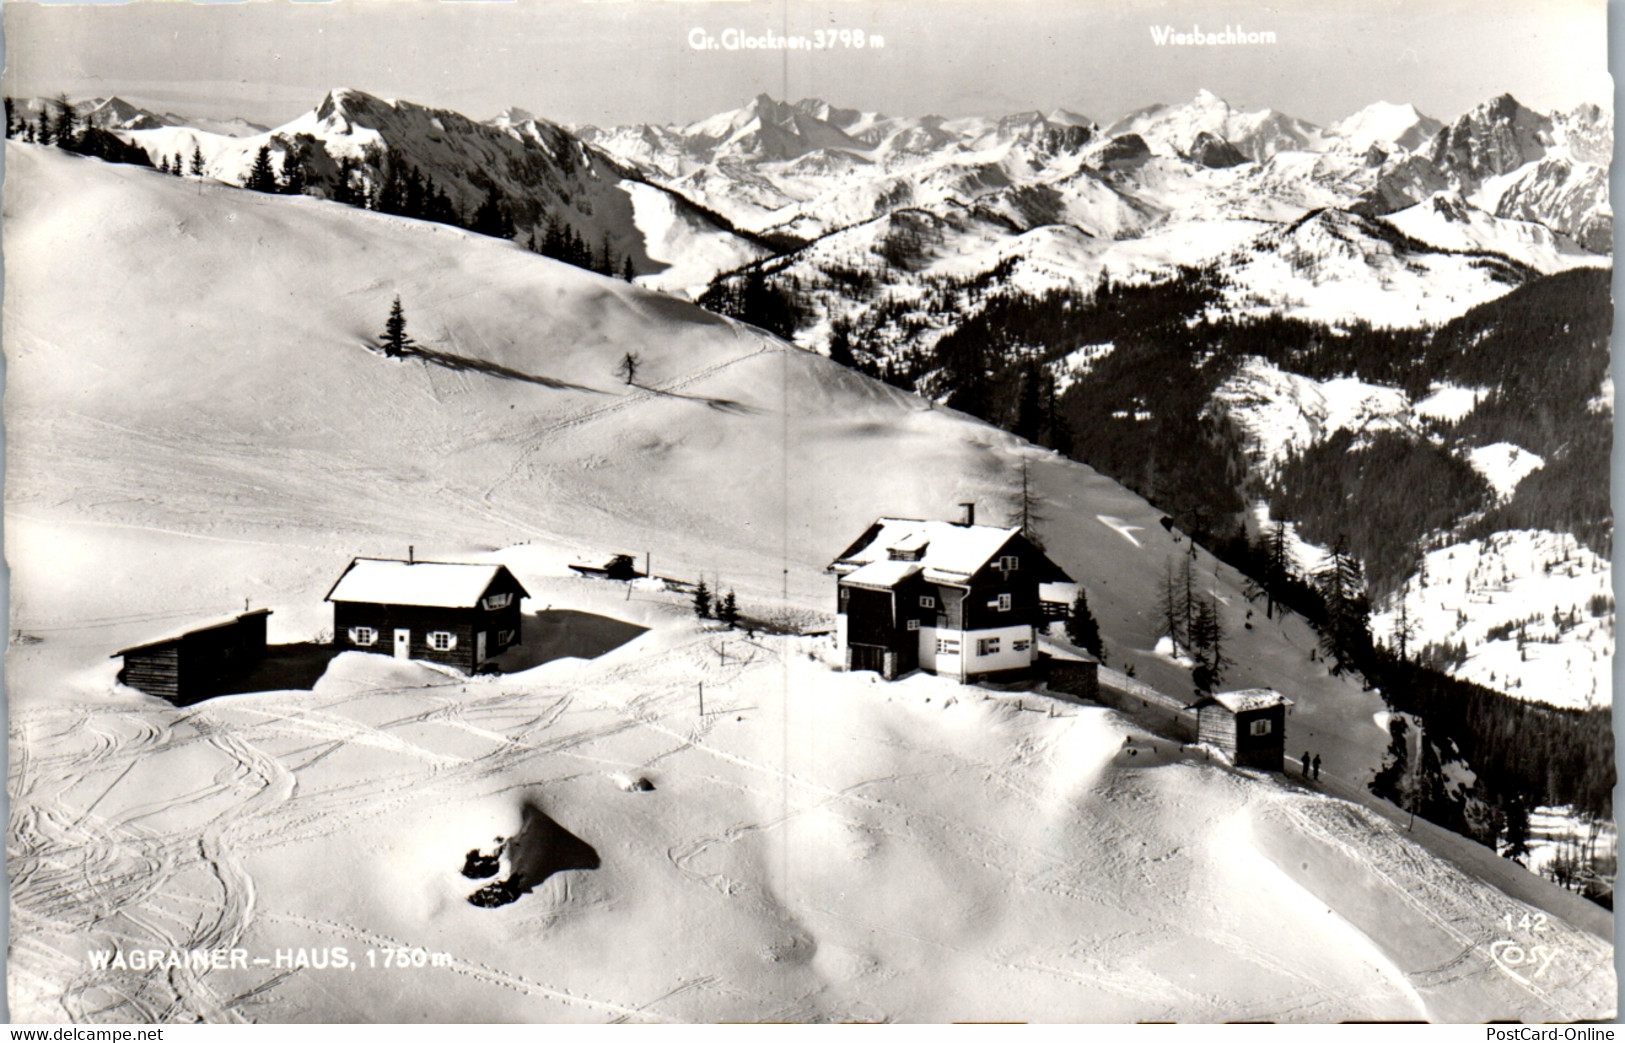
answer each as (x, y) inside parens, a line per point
(1317, 767)
(1305, 763)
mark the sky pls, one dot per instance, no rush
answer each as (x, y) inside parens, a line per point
(625, 61)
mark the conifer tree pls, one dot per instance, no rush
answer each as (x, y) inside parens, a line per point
(395, 340)
(728, 611)
(627, 272)
(702, 600)
(840, 342)
(492, 217)
(1277, 567)
(1207, 642)
(628, 367)
(67, 122)
(1345, 635)
(292, 180)
(1516, 836)
(1389, 779)
(1082, 629)
(344, 190)
(197, 161)
(1027, 507)
(261, 178)
(1170, 606)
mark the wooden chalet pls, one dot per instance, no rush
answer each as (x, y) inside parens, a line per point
(953, 598)
(1248, 725)
(457, 614)
(194, 664)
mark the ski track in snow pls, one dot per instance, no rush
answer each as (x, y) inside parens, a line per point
(114, 874)
(522, 469)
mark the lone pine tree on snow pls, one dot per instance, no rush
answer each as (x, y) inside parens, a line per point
(702, 600)
(395, 340)
(628, 367)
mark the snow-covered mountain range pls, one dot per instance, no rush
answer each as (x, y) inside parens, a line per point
(809, 845)
(901, 227)
(808, 168)
(539, 171)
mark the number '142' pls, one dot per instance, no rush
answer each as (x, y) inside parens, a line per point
(1525, 922)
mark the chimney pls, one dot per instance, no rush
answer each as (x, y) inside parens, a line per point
(967, 512)
(411, 555)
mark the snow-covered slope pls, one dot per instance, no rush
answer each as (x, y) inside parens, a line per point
(540, 171)
(1535, 611)
(1280, 412)
(817, 846)
(1337, 266)
(1448, 221)
(1468, 587)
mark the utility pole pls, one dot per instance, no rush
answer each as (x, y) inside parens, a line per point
(702, 698)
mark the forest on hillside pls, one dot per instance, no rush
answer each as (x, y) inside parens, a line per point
(1142, 414)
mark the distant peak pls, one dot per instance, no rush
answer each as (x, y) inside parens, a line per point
(515, 114)
(1502, 105)
(1389, 108)
(347, 101)
(1208, 100)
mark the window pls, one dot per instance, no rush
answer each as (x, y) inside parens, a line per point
(496, 601)
(1009, 562)
(947, 646)
(1260, 728)
(914, 624)
(363, 636)
(504, 637)
(927, 601)
(1020, 644)
(1004, 602)
(846, 592)
(987, 646)
(442, 640)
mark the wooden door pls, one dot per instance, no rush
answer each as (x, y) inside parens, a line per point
(868, 657)
(479, 648)
(403, 644)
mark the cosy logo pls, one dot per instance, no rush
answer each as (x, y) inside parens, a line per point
(1512, 958)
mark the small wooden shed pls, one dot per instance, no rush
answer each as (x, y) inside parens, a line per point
(458, 614)
(1074, 672)
(1248, 725)
(195, 663)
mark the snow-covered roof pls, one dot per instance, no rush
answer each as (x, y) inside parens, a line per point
(434, 584)
(194, 628)
(910, 543)
(952, 553)
(1251, 699)
(882, 574)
